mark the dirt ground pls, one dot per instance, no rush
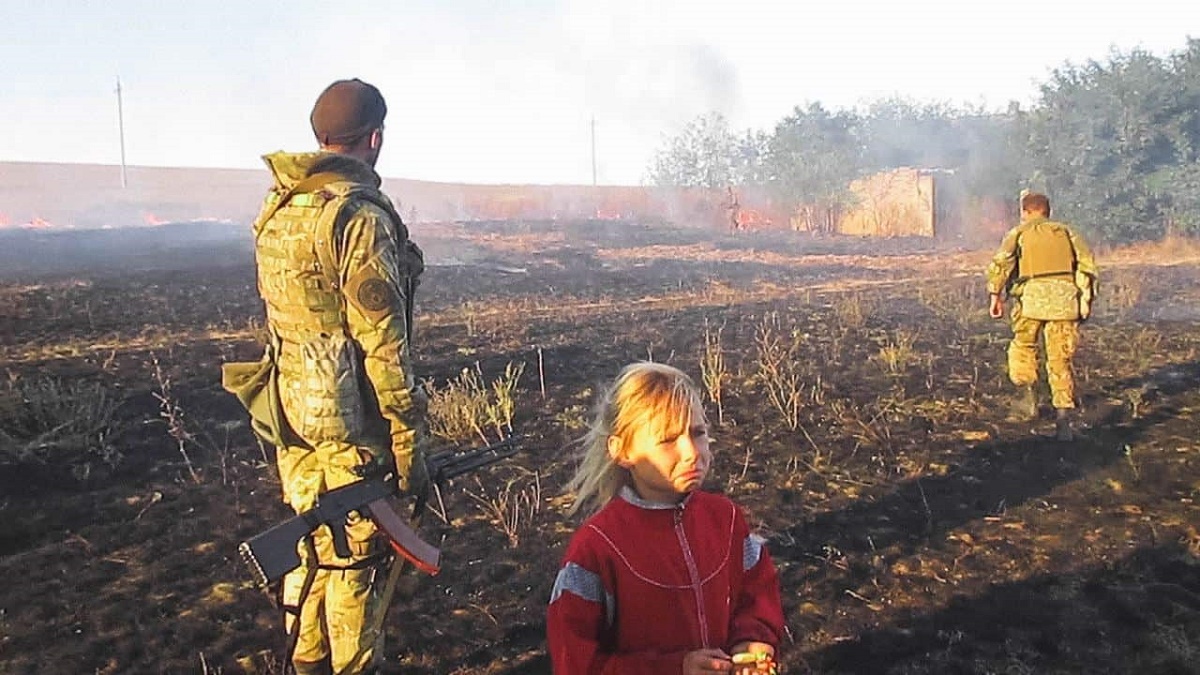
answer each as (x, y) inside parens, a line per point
(915, 527)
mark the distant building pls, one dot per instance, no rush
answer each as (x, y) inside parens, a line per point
(897, 203)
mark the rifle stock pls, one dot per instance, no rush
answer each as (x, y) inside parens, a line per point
(270, 555)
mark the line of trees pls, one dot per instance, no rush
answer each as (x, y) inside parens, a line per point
(1115, 143)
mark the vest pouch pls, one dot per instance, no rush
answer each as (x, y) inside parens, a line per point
(256, 386)
(322, 395)
(1053, 299)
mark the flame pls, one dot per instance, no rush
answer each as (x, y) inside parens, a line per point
(606, 214)
(152, 220)
(3, 221)
(752, 218)
(38, 223)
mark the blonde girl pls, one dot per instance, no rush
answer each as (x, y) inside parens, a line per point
(662, 577)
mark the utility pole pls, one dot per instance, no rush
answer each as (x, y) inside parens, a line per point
(121, 131)
(593, 150)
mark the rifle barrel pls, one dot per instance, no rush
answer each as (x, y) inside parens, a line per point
(449, 464)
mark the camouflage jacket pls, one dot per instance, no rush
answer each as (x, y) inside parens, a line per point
(343, 333)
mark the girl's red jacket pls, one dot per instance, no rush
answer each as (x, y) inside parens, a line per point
(643, 584)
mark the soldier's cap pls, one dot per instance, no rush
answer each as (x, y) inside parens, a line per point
(346, 111)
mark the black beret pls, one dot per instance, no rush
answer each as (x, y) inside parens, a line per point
(346, 111)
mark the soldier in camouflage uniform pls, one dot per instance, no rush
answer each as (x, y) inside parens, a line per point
(1049, 272)
(337, 272)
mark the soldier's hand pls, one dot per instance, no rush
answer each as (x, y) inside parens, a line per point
(416, 480)
(411, 470)
(997, 307)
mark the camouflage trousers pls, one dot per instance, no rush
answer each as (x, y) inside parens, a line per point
(1061, 339)
(336, 615)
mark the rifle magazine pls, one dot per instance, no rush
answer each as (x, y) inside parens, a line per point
(423, 565)
(403, 540)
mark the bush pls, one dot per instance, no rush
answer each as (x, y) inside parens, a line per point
(49, 422)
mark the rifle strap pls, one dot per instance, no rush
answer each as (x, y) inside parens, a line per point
(309, 577)
(306, 588)
(372, 560)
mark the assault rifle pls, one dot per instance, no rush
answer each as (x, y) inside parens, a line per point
(272, 554)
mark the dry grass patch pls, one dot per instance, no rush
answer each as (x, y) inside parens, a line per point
(467, 408)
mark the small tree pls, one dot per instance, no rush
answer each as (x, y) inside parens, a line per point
(811, 159)
(700, 156)
(1179, 189)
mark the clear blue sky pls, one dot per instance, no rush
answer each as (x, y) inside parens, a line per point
(504, 90)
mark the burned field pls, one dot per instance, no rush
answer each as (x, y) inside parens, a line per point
(858, 402)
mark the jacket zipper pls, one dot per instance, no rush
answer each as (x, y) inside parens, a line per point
(694, 574)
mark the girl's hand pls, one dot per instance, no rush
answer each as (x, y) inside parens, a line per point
(706, 661)
(753, 658)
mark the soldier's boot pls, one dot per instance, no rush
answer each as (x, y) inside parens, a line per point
(1024, 405)
(1062, 425)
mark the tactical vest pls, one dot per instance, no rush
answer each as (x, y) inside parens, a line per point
(1046, 272)
(320, 368)
(1045, 251)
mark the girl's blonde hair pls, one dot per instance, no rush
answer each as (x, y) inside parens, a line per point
(643, 393)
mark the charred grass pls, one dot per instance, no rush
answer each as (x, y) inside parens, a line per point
(916, 529)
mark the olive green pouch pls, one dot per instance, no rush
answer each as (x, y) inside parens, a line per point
(256, 385)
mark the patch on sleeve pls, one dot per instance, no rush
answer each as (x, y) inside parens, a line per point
(752, 551)
(372, 295)
(375, 295)
(577, 580)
